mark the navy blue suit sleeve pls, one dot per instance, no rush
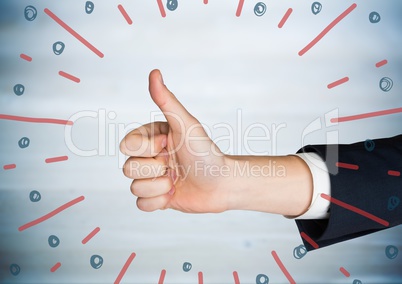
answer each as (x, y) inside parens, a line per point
(365, 175)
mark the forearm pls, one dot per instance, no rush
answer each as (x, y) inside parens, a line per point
(273, 184)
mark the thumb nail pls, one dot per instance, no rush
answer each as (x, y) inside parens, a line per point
(161, 78)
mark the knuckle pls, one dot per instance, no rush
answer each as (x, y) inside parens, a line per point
(143, 205)
(131, 168)
(125, 169)
(140, 204)
(165, 183)
(122, 146)
(135, 145)
(134, 189)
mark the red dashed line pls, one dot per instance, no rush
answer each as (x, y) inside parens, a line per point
(394, 173)
(124, 13)
(90, 235)
(347, 166)
(162, 277)
(327, 29)
(355, 209)
(9, 167)
(381, 63)
(239, 8)
(69, 76)
(344, 272)
(55, 267)
(282, 267)
(338, 82)
(26, 57)
(309, 240)
(51, 214)
(236, 277)
(161, 8)
(366, 115)
(285, 18)
(73, 33)
(35, 119)
(124, 269)
(200, 278)
(56, 159)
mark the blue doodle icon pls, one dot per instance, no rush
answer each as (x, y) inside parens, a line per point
(15, 269)
(35, 196)
(299, 252)
(369, 145)
(96, 261)
(262, 279)
(393, 202)
(374, 17)
(386, 84)
(53, 241)
(357, 281)
(89, 7)
(172, 5)
(259, 9)
(30, 13)
(19, 89)
(187, 266)
(58, 47)
(391, 251)
(316, 8)
(24, 142)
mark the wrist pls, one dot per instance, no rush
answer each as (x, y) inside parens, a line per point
(273, 184)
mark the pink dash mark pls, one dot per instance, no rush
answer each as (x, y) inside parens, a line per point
(347, 166)
(394, 173)
(285, 18)
(239, 8)
(35, 120)
(56, 159)
(344, 272)
(73, 33)
(282, 267)
(381, 63)
(162, 277)
(90, 235)
(55, 267)
(327, 29)
(161, 8)
(9, 167)
(236, 277)
(355, 209)
(51, 214)
(26, 57)
(366, 115)
(205, 2)
(338, 82)
(200, 278)
(309, 240)
(125, 15)
(124, 269)
(69, 76)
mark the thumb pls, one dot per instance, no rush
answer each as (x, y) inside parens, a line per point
(175, 113)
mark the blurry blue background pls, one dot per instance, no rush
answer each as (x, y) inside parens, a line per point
(226, 70)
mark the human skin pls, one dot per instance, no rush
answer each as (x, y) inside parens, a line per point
(175, 165)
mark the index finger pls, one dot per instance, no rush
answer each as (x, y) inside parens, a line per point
(145, 141)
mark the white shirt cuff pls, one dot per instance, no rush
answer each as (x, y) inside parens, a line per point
(319, 206)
